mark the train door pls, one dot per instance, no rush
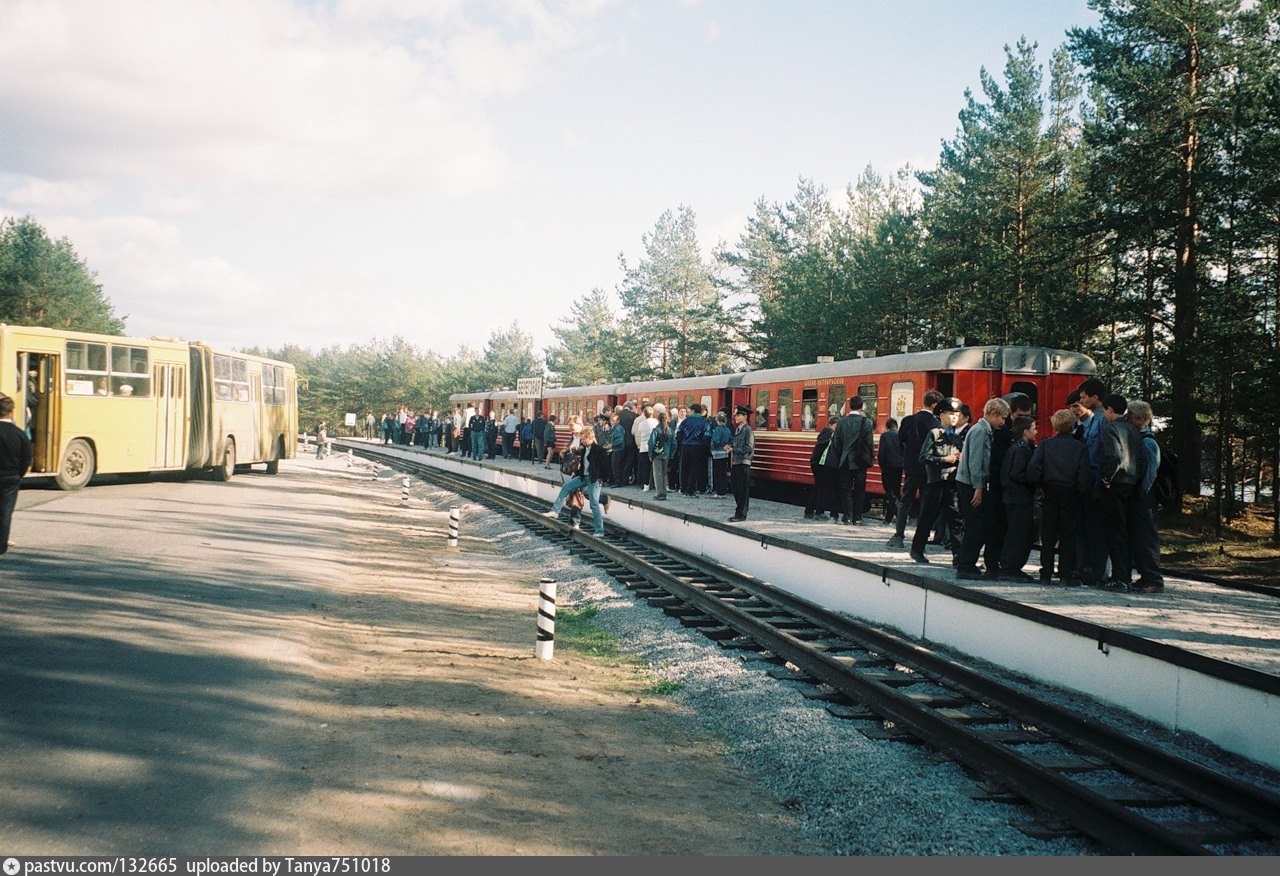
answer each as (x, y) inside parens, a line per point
(171, 415)
(38, 407)
(947, 385)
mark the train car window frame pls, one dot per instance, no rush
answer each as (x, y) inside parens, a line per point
(870, 395)
(836, 408)
(809, 409)
(785, 399)
(762, 409)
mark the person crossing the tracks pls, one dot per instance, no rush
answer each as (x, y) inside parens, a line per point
(588, 464)
(741, 450)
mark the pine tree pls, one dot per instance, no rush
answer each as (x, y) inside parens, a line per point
(45, 283)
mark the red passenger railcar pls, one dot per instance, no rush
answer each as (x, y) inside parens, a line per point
(792, 404)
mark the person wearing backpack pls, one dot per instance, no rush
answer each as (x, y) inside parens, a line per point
(1144, 534)
(661, 443)
(820, 500)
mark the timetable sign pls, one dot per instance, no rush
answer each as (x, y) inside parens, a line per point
(529, 387)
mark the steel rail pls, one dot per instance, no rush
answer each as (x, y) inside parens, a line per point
(1105, 820)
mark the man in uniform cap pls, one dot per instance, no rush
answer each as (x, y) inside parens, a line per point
(741, 450)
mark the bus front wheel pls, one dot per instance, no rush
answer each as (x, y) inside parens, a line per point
(228, 467)
(78, 465)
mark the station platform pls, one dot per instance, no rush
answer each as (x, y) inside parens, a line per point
(1195, 658)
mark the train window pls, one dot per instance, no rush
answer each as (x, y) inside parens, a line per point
(870, 396)
(706, 406)
(689, 400)
(835, 400)
(762, 409)
(673, 402)
(784, 408)
(809, 410)
(902, 399)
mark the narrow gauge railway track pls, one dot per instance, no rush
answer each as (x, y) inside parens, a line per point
(1128, 795)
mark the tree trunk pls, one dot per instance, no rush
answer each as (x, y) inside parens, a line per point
(1185, 429)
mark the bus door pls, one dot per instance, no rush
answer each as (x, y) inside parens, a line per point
(170, 449)
(37, 407)
(256, 402)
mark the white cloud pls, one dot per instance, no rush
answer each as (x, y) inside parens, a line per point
(31, 193)
(268, 96)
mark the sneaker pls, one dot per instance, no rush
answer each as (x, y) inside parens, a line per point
(919, 558)
(895, 541)
(576, 524)
(969, 573)
(599, 534)
(551, 514)
(645, 488)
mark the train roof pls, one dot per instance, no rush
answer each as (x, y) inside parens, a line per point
(1010, 360)
(710, 381)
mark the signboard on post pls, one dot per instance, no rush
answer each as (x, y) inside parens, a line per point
(350, 420)
(529, 387)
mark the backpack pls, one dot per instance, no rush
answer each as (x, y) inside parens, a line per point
(659, 440)
(1167, 487)
(571, 464)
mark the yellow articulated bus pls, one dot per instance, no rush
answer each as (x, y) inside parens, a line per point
(102, 404)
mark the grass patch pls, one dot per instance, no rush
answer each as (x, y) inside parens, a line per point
(576, 631)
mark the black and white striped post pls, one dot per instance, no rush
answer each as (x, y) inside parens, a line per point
(454, 514)
(545, 647)
(404, 491)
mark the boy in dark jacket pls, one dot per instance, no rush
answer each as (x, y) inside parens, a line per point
(1018, 497)
(1060, 465)
(821, 496)
(889, 457)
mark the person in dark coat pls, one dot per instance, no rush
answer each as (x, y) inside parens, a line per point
(939, 456)
(911, 436)
(1060, 467)
(591, 467)
(889, 457)
(15, 460)
(1018, 495)
(821, 498)
(854, 443)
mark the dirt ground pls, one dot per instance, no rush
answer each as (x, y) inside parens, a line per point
(364, 689)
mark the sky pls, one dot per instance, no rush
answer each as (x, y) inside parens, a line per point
(263, 172)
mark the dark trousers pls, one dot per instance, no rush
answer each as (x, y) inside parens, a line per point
(1059, 522)
(851, 489)
(937, 501)
(915, 483)
(1144, 536)
(618, 459)
(979, 524)
(1016, 549)
(1115, 503)
(673, 468)
(8, 499)
(642, 469)
(629, 459)
(720, 475)
(693, 469)
(892, 480)
(508, 443)
(1091, 541)
(741, 489)
(821, 500)
(999, 524)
